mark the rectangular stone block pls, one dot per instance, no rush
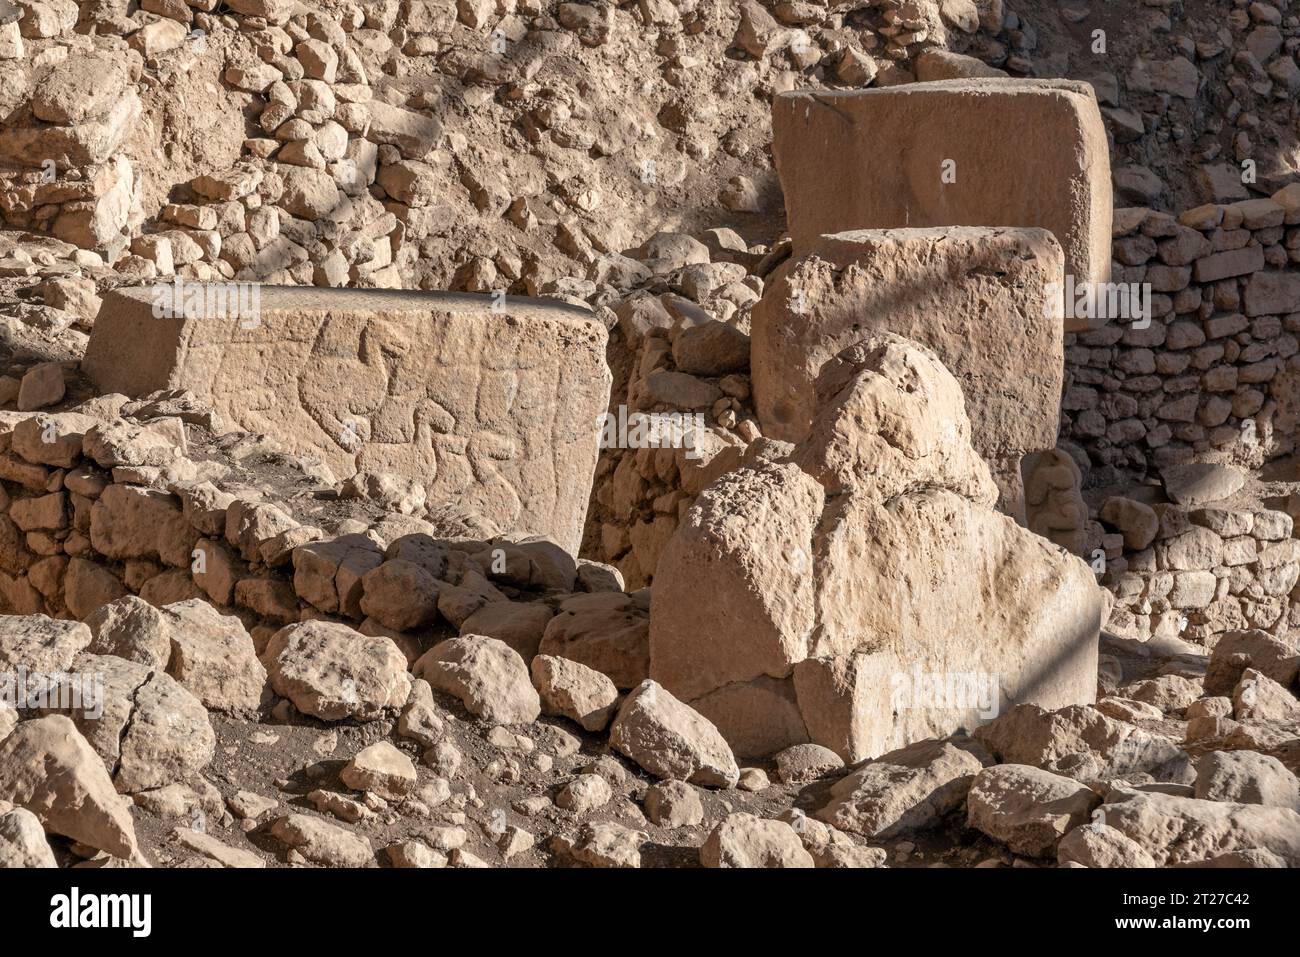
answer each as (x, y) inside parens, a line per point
(974, 295)
(493, 411)
(1272, 294)
(970, 152)
(1224, 265)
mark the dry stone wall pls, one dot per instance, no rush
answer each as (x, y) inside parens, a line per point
(1167, 423)
(114, 501)
(1214, 375)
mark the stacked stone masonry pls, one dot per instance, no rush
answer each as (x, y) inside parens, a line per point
(102, 504)
(1216, 374)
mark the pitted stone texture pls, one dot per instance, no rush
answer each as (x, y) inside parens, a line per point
(331, 672)
(975, 296)
(41, 644)
(493, 410)
(838, 157)
(867, 584)
(1180, 830)
(47, 767)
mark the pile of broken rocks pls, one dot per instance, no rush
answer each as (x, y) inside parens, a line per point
(326, 750)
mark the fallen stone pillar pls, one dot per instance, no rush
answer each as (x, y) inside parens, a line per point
(975, 295)
(861, 592)
(493, 410)
(970, 152)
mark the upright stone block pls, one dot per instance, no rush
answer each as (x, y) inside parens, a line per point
(862, 593)
(975, 295)
(495, 411)
(969, 152)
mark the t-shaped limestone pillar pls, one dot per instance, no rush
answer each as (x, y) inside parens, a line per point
(971, 152)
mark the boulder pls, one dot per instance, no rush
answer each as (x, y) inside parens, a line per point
(213, 657)
(22, 840)
(607, 632)
(1027, 809)
(331, 672)
(1194, 484)
(47, 767)
(422, 721)
(574, 691)
(321, 842)
(604, 844)
(1136, 520)
(803, 763)
(382, 770)
(1258, 697)
(40, 644)
(1277, 658)
(1078, 741)
(673, 804)
(1246, 777)
(149, 731)
(905, 790)
(585, 793)
(1178, 830)
(671, 740)
(487, 675)
(1098, 845)
(400, 595)
(743, 840)
(520, 625)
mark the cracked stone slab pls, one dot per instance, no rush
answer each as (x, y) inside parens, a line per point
(151, 732)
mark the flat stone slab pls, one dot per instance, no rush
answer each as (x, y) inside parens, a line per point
(1199, 483)
(969, 152)
(494, 410)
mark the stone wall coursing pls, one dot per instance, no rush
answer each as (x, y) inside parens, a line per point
(679, 346)
(1216, 375)
(1214, 379)
(1205, 571)
(114, 500)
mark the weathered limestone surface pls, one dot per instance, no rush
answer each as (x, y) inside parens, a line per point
(975, 295)
(1025, 153)
(863, 566)
(494, 411)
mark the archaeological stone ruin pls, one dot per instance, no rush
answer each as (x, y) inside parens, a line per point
(517, 434)
(492, 413)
